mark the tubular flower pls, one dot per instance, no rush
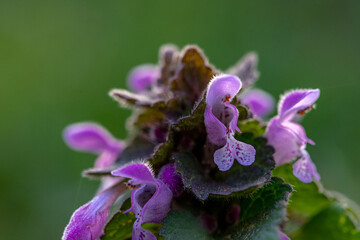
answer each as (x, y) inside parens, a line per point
(150, 200)
(261, 103)
(90, 137)
(221, 123)
(88, 221)
(288, 137)
(142, 77)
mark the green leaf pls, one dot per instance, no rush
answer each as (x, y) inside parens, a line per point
(119, 227)
(243, 112)
(262, 212)
(162, 152)
(154, 228)
(307, 200)
(304, 193)
(179, 225)
(253, 126)
(238, 180)
(310, 202)
(351, 208)
(332, 223)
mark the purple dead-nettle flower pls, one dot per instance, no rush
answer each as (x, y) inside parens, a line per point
(172, 179)
(150, 200)
(221, 123)
(90, 137)
(261, 103)
(88, 221)
(288, 137)
(141, 78)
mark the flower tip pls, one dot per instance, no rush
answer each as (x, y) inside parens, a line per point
(87, 137)
(222, 87)
(139, 171)
(297, 102)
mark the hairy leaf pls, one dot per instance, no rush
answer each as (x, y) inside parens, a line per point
(262, 212)
(188, 132)
(332, 223)
(193, 77)
(310, 199)
(246, 70)
(148, 117)
(168, 58)
(179, 225)
(129, 99)
(239, 179)
(303, 194)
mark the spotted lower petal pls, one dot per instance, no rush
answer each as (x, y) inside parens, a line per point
(304, 169)
(243, 153)
(224, 157)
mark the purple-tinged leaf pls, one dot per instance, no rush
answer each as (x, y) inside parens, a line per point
(246, 70)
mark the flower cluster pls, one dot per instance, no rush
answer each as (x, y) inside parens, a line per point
(191, 121)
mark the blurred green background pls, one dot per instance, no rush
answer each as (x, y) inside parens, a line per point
(58, 60)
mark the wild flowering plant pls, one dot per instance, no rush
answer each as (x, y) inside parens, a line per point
(175, 176)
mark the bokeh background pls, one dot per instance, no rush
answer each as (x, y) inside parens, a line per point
(58, 60)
